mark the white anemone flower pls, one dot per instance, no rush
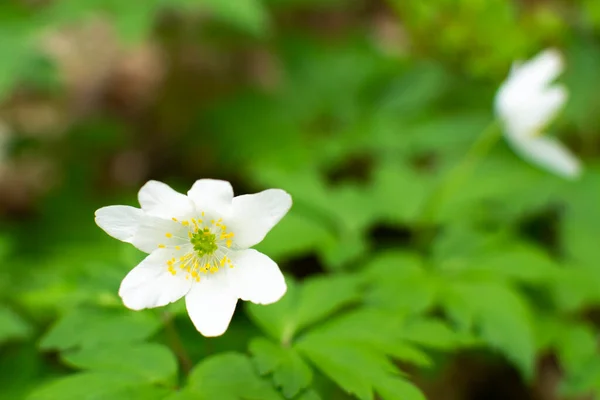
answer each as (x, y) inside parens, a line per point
(199, 247)
(526, 103)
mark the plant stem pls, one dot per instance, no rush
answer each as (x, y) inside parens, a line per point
(176, 344)
(458, 175)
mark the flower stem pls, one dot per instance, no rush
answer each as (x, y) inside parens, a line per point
(175, 343)
(460, 173)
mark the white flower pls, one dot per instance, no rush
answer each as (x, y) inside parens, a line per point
(526, 103)
(199, 247)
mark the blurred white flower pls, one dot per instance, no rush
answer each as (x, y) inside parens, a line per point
(199, 247)
(526, 103)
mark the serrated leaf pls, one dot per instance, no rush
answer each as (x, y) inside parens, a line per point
(358, 370)
(152, 363)
(229, 376)
(370, 328)
(501, 316)
(353, 350)
(324, 295)
(289, 371)
(396, 388)
(430, 333)
(277, 319)
(521, 263)
(306, 304)
(345, 365)
(82, 328)
(97, 386)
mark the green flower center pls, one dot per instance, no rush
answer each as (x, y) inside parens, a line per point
(204, 242)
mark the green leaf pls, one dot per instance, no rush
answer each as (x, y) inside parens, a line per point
(295, 235)
(378, 330)
(398, 282)
(415, 89)
(24, 358)
(17, 29)
(289, 371)
(500, 314)
(309, 395)
(430, 333)
(98, 386)
(358, 370)
(12, 326)
(576, 345)
(85, 328)
(306, 304)
(579, 226)
(229, 376)
(521, 263)
(348, 366)
(395, 388)
(577, 348)
(354, 350)
(152, 363)
(249, 15)
(324, 295)
(385, 198)
(133, 22)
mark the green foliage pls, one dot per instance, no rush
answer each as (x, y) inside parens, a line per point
(12, 326)
(353, 351)
(359, 112)
(228, 376)
(289, 371)
(302, 306)
(82, 328)
(151, 362)
(98, 385)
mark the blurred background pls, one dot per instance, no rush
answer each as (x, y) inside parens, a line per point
(359, 109)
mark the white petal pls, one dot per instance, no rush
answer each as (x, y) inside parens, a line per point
(154, 231)
(540, 70)
(552, 101)
(550, 154)
(212, 196)
(120, 222)
(530, 118)
(211, 304)
(527, 101)
(254, 215)
(255, 277)
(150, 284)
(159, 199)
